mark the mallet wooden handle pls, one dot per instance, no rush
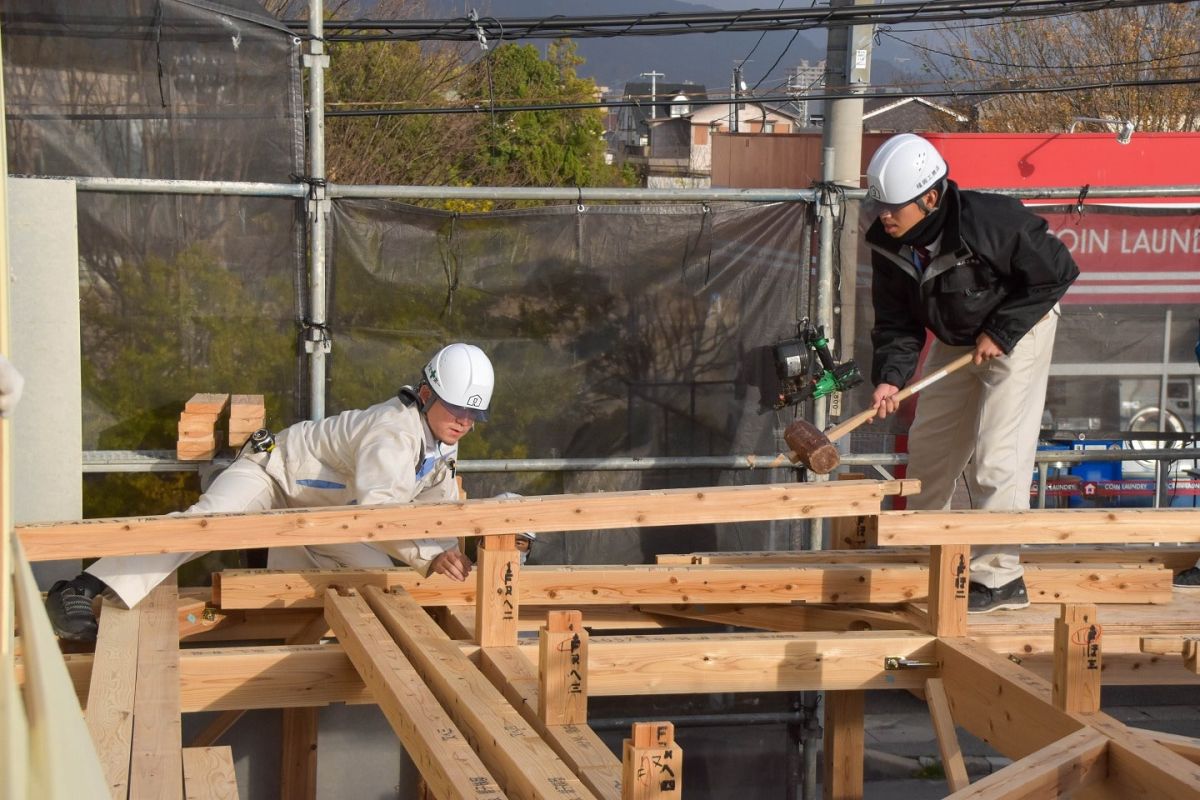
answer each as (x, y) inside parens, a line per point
(844, 427)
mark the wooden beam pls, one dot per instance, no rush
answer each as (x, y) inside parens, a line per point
(1186, 746)
(794, 617)
(111, 693)
(208, 774)
(577, 745)
(948, 589)
(1076, 761)
(1010, 708)
(523, 764)
(1052, 526)
(298, 745)
(562, 669)
(498, 599)
(851, 533)
(1173, 558)
(608, 585)
(1077, 665)
(652, 763)
(156, 765)
(459, 621)
(947, 735)
(215, 679)
(488, 516)
(441, 753)
(842, 776)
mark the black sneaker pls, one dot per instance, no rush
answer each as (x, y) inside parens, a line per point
(69, 605)
(1188, 579)
(981, 599)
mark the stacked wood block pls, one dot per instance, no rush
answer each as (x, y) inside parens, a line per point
(198, 427)
(247, 413)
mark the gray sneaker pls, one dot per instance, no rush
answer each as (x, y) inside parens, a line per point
(981, 599)
(1188, 579)
(69, 606)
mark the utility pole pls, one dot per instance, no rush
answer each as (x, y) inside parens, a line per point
(653, 76)
(847, 70)
(735, 92)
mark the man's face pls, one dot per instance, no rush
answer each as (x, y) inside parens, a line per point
(899, 220)
(449, 423)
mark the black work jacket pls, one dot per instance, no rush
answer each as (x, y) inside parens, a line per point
(998, 271)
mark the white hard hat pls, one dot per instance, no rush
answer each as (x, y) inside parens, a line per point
(461, 376)
(904, 168)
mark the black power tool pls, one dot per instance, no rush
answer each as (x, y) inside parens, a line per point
(803, 376)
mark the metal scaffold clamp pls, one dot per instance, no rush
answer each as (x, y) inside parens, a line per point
(316, 337)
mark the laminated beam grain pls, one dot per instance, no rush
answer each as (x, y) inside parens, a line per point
(442, 753)
(608, 585)
(524, 765)
(1043, 526)
(488, 516)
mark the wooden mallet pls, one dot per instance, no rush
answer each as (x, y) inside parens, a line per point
(815, 449)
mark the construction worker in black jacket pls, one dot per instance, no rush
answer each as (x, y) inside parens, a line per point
(983, 275)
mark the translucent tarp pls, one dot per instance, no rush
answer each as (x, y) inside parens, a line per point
(179, 294)
(615, 331)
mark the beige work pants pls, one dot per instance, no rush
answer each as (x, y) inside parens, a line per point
(983, 421)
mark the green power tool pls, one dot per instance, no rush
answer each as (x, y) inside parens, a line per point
(803, 376)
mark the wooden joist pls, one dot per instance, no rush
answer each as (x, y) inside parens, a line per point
(443, 755)
(524, 765)
(208, 774)
(111, 691)
(602, 585)
(1074, 762)
(489, 516)
(156, 764)
(1053, 526)
(510, 670)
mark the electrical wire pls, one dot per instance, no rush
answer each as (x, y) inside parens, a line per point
(1066, 67)
(784, 98)
(664, 24)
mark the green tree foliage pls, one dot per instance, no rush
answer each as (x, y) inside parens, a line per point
(539, 148)
(526, 148)
(157, 332)
(1130, 44)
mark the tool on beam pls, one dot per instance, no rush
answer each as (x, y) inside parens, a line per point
(815, 449)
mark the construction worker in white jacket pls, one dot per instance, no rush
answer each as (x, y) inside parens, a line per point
(397, 451)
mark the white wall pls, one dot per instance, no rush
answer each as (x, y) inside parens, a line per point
(47, 436)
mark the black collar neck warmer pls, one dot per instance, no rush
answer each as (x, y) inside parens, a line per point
(926, 232)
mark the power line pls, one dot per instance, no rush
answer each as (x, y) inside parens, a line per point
(663, 24)
(785, 98)
(1066, 67)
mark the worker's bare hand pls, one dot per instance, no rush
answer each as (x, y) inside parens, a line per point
(883, 401)
(452, 564)
(986, 349)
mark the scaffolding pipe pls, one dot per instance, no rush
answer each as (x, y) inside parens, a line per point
(316, 337)
(593, 194)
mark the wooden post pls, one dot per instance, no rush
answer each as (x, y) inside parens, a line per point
(652, 763)
(948, 577)
(852, 533)
(844, 742)
(496, 598)
(1191, 654)
(1077, 666)
(562, 669)
(947, 736)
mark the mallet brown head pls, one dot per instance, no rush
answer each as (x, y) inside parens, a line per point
(811, 447)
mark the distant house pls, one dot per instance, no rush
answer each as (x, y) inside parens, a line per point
(669, 139)
(885, 115)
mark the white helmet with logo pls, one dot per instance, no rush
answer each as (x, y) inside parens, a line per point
(904, 168)
(461, 375)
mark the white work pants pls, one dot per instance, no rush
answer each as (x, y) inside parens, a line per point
(983, 420)
(244, 486)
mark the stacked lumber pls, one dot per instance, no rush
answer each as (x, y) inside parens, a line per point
(198, 427)
(247, 413)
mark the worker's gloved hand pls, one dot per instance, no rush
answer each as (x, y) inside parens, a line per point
(11, 384)
(452, 564)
